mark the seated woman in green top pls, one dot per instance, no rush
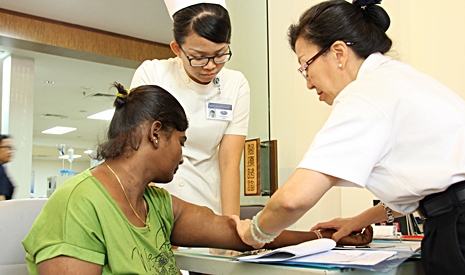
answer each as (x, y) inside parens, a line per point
(108, 220)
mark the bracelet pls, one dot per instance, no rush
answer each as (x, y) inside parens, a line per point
(254, 226)
(318, 234)
(389, 215)
(267, 236)
(255, 237)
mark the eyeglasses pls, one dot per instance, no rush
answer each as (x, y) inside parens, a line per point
(303, 69)
(203, 60)
(9, 148)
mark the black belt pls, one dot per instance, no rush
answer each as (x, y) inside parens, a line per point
(441, 203)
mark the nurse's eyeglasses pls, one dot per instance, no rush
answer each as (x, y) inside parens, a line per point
(203, 60)
(303, 69)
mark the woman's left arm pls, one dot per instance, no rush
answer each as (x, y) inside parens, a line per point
(229, 158)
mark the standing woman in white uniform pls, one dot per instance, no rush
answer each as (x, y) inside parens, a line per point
(210, 174)
(392, 129)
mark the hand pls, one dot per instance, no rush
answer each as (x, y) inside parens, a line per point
(348, 231)
(243, 230)
(365, 236)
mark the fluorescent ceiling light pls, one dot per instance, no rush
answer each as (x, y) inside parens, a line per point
(58, 130)
(67, 156)
(105, 115)
(88, 152)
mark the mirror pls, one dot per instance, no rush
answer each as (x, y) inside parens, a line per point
(250, 46)
(66, 91)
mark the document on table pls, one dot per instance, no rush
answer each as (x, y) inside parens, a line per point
(290, 252)
(320, 252)
(346, 257)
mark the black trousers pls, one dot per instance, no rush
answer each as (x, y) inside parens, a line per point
(443, 246)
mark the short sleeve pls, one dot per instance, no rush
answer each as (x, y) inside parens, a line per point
(68, 225)
(144, 74)
(239, 124)
(350, 144)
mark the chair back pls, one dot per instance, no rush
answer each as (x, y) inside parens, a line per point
(248, 211)
(16, 218)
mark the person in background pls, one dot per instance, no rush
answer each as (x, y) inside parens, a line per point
(109, 220)
(392, 129)
(6, 152)
(210, 175)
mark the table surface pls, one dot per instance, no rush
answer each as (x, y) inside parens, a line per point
(200, 260)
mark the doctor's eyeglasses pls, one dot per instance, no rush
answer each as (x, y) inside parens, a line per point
(203, 60)
(303, 69)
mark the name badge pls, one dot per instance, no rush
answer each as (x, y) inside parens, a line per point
(219, 111)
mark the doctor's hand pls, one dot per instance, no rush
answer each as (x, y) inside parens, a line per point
(243, 230)
(349, 231)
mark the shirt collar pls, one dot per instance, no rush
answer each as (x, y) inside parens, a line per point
(200, 88)
(371, 63)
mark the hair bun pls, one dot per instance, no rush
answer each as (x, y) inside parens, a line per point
(378, 16)
(374, 13)
(366, 2)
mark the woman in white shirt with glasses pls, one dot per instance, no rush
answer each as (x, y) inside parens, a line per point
(210, 175)
(392, 129)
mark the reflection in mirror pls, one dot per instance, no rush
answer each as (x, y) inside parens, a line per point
(250, 46)
(68, 89)
(66, 92)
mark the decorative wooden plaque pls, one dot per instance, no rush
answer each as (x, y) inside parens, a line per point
(252, 167)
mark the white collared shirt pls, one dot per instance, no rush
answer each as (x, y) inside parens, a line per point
(395, 131)
(198, 178)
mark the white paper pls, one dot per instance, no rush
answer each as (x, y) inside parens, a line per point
(292, 252)
(346, 257)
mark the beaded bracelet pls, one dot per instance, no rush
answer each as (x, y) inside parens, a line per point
(389, 215)
(255, 237)
(254, 226)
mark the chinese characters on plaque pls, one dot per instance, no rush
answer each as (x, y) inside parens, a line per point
(252, 167)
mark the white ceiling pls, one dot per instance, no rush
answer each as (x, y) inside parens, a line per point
(145, 19)
(75, 81)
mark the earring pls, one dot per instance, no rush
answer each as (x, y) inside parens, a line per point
(340, 65)
(156, 141)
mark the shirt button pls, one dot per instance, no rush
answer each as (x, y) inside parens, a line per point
(181, 183)
(186, 79)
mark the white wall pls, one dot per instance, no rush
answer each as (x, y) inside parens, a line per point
(427, 36)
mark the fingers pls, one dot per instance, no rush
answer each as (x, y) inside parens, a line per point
(333, 224)
(368, 233)
(321, 225)
(337, 236)
(235, 218)
(242, 227)
(361, 237)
